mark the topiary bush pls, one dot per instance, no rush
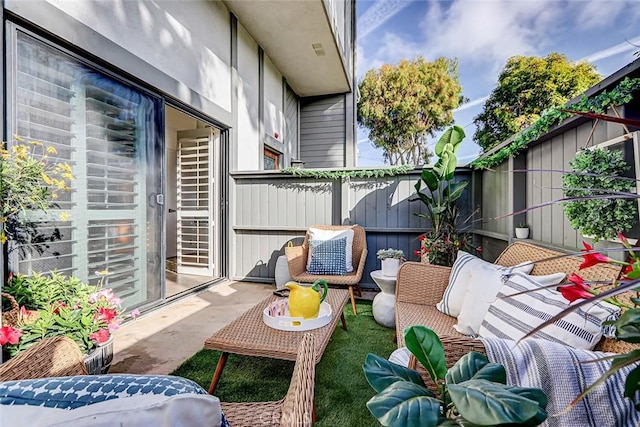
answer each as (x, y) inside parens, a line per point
(596, 173)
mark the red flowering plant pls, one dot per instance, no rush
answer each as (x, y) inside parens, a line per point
(580, 293)
(65, 306)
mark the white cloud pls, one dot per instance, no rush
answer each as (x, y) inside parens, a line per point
(598, 13)
(489, 32)
(379, 13)
(471, 104)
(613, 50)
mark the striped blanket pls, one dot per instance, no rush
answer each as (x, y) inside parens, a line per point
(556, 369)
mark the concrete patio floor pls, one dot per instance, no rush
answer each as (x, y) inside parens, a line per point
(159, 342)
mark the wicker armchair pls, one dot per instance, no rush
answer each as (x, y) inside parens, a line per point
(53, 357)
(295, 410)
(297, 259)
(420, 286)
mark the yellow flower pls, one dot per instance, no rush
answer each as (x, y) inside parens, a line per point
(3, 238)
(52, 150)
(35, 143)
(46, 178)
(64, 216)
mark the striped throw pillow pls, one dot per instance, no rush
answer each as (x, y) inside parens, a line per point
(327, 257)
(460, 278)
(512, 317)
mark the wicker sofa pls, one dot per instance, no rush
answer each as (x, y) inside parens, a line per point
(421, 286)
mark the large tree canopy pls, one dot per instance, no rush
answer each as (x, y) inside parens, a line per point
(403, 104)
(526, 87)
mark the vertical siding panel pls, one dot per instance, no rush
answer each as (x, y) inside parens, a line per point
(546, 191)
(570, 148)
(557, 215)
(323, 131)
(536, 194)
(530, 183)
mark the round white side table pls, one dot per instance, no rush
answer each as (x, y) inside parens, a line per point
(384, 304)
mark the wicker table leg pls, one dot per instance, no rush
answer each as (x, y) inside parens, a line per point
(344, 321)
(218, 373)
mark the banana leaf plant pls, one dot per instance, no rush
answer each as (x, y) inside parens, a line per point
(472, 393)
(440, 200)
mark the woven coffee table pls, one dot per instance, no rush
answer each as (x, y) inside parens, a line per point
(248, 335)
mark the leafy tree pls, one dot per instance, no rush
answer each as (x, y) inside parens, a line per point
(402, 105)
(526, 87)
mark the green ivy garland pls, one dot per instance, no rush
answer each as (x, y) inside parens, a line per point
(595, 174)
(343, 174)
(619, 95)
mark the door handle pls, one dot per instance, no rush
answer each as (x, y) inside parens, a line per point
(172, 210)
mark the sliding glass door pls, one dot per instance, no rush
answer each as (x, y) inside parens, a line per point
(111, 134)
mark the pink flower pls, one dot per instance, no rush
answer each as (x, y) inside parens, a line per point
(479, 249)
(9, 335)
(135, 313)
(100, 337)
(579, 289)
(114, 324)
(623, 239)
(106, 314)
(592, 259)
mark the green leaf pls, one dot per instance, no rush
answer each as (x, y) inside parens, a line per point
(425, 345)
(474, 365)
(628, 326)
(537, 395)
(430, 179)
(405, 404)
(454, 136)
(632, 386)
(486, 403)
(381, 373)
(455, 190)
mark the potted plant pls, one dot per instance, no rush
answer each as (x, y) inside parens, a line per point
(522, 231)
(62, 306)
(440, 245)
(390, 260)
(472, 392)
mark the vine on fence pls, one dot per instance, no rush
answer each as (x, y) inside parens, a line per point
(619, 95)
(343, 174)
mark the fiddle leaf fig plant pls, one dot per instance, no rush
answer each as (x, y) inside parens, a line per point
(472, 393)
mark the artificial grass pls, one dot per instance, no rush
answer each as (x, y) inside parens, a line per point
(341, 390)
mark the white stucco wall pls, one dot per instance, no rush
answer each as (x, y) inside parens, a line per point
(248, 100)
(187, 40)
(273, 115)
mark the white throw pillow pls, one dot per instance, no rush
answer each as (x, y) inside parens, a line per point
(460, 277)
(136, 411)
(512, 317)
(485, 284)
(319, 234)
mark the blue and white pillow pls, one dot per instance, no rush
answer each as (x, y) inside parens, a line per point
(328, 257)
(74, 392)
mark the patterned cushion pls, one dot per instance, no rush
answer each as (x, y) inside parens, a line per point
(460, 278)
(140, 410)
(327, 257)
(74, 392)
(321, 234)
(512, 317)
(486, 282)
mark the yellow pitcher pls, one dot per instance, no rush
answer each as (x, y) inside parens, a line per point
(305, 301)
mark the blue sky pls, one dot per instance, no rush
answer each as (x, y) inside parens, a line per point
(482, 34)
